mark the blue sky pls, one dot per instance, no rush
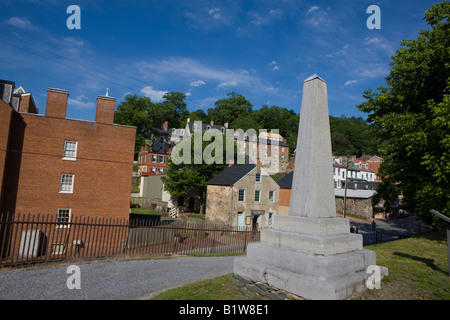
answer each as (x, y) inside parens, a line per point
(261, 49)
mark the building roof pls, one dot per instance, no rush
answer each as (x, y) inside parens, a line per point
(286, 181)
(231, 175)
(351, 193)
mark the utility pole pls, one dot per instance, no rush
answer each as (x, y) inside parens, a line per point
(345, 191)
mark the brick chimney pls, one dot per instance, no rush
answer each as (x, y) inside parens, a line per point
(105, 110)
(56, 103)
(166, 125)
(27, 104)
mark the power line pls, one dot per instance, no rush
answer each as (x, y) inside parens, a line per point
(86, 66)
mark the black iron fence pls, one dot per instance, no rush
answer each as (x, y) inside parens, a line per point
(26, 238)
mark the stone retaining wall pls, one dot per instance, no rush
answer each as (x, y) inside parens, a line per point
(250, 289)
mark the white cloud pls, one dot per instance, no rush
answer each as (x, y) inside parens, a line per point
(227, 84)
(197, 83)
(257, 19)
(155, 95)
(313, 8)
(215, 13)
(316, 16)
(378, 42)
(79, 103)
(349, 82)
(22, 23)
(206, 18)
(274, 65)
(180, 67)
(275, 12)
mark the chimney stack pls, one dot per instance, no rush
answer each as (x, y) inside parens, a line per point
(105, 110)
(27, 104)
(166, 125)
(56, 103)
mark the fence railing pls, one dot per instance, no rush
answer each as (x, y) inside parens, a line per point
(26, 238)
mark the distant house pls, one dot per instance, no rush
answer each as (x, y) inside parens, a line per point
(152, 163)
(243, 196)
(285, 184)
(268, 149)
(358, 198)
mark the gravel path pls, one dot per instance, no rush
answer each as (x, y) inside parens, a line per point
(110, 280)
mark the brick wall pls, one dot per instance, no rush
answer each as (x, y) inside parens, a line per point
(284, 200)
(102, 169)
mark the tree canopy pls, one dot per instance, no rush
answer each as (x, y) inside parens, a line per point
(411, 115)
(144, 114)
(196, 169)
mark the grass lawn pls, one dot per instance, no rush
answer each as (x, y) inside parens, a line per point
(147, 211)
(417, 266)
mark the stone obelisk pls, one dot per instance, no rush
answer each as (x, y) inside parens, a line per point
(311, 252)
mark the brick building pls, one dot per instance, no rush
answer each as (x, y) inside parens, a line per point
(63, 167)
(152, 163)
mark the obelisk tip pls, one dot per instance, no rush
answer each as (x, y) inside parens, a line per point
(314, 76)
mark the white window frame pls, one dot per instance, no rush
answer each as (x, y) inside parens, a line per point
(59, 219)
(243, 200)
(257, 191)
(273, 196)
(63, 175)
(58, 248)
(66, 149)
(258, 177)
(269, 220)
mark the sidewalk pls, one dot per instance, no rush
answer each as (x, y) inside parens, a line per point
(389, 229)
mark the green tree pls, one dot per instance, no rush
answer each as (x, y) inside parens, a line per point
(193, 173)
(136, 111)
(174, 109)
(228, 109)
(353, 136)
(412, 114)
(144, 114)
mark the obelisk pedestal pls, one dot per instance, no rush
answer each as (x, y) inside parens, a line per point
(311, 252)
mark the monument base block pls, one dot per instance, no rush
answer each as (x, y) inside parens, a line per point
(329, 266)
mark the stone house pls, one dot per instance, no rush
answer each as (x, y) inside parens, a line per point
(359, 197)
(358, 202)
(242, 196)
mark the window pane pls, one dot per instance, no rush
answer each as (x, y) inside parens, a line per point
(63, 216)
(66, 183)
(241, 195)
(70, 149)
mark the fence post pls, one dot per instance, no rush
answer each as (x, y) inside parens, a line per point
(447, 224)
